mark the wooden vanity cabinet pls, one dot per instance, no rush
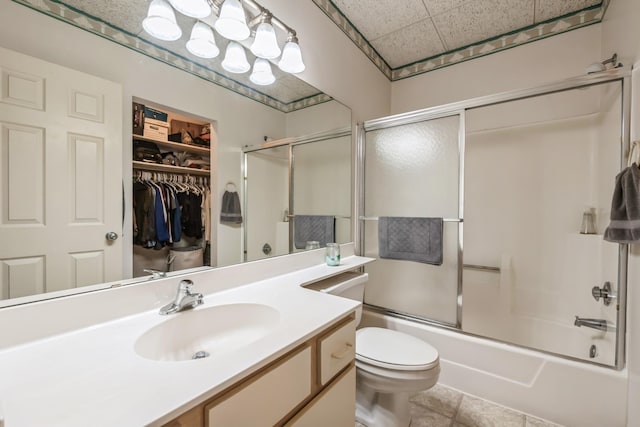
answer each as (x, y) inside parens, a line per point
(311, 386)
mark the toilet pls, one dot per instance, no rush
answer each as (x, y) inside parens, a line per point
(390, 365)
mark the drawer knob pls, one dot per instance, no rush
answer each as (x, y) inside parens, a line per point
(343, 353)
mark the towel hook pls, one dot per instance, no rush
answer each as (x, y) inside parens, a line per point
(230, 187)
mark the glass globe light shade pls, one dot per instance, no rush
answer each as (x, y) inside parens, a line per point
(193, 8)
(202, 43)
(232, 22)
(262, 74)
(291, 61)
(161, 21)
(235, 59)
(265, 44)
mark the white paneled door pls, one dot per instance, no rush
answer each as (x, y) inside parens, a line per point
(60, 177)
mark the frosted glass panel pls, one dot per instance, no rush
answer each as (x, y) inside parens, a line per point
(413, 170)
(532, 168)
(322, 182)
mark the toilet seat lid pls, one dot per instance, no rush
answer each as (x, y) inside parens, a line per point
(394, 350)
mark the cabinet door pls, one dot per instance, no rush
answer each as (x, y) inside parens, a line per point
(335, 406)
(267, 399)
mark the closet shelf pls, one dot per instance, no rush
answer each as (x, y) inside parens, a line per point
(156, 167)
(176, 146)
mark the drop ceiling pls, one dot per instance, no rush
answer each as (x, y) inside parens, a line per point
(402, 38)
(409, 37)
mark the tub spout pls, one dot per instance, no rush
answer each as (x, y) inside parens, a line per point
(599, 324)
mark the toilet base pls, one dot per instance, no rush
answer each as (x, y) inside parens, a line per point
(382, 409)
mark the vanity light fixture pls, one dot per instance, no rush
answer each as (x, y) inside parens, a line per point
(265, 45)
(259, 34)
(161, 21)
(261, 74)
(202, 42)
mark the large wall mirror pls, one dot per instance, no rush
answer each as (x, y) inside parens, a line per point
(80, 182)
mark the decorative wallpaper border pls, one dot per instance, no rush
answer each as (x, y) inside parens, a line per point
(572, 21)
(59, 10)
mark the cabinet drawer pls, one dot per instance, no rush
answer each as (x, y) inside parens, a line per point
(266, 399)
(337, 350)
(335, 406)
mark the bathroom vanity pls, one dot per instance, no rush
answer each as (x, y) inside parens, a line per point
(280, 354)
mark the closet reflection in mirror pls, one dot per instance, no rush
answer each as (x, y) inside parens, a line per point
(298, 192)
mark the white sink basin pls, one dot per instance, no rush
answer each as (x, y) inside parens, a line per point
(212, 330)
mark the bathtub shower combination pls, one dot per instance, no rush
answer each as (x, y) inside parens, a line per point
(523, 181)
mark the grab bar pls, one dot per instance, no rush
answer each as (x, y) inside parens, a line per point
(481, 268)
(375, 218)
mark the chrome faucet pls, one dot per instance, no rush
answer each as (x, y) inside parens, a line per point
(600, 324)
(185, 299)
(155, 274)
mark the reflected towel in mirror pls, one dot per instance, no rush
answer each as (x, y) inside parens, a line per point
(230, 210)
(320, 228)
(411, 239)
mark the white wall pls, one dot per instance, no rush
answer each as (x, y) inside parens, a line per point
(318, 118)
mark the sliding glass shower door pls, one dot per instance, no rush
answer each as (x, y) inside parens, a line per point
(413, 170)
(534, 172)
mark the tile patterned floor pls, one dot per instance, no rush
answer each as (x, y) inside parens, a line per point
(444, 407)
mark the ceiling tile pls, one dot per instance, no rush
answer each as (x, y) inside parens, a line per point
(374, 18)
(549, 9)
(476, 21)
(436, 7)
(409, 44)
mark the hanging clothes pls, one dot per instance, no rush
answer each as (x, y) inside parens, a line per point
(166, 207)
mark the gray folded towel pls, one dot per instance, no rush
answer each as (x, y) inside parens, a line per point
(320, 228)
(230, 209)
(411, 239)
(625, 208)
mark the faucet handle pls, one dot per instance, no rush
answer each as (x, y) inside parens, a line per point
(185, 286)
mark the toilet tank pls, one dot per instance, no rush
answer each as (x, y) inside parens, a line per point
(347, 285)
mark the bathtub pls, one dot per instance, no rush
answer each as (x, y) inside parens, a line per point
(566, 392)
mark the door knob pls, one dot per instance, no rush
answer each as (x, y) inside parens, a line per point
(111, 236)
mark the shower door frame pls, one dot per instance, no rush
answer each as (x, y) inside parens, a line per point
(621, 75)
(289, 142)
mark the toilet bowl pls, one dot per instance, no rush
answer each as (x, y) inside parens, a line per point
(390, 365)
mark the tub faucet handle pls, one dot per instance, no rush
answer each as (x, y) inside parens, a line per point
(604, 292)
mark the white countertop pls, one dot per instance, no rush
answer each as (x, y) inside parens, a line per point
(94, 377)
